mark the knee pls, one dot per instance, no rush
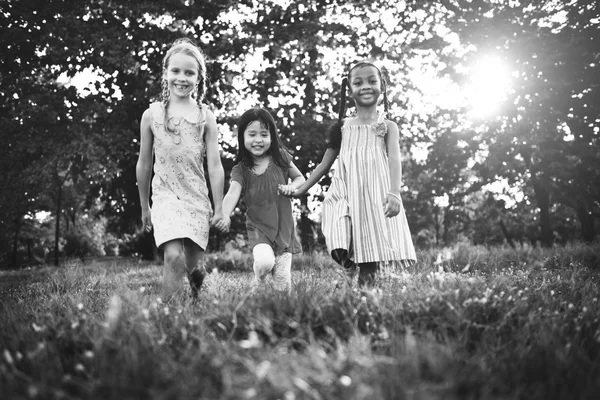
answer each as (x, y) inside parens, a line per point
(174, 255)
(264, 260)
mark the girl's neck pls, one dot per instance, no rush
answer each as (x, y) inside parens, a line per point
(180, 104)
(367, 113)
(260, 164)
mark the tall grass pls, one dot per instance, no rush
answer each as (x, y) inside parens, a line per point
(464, 323)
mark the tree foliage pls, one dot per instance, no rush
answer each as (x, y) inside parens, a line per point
(72, 153)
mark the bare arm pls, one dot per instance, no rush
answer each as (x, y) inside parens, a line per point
(143, 169)
(229, 202)
(393, 202)
(297, 180)
(216, 174)
(319, 171)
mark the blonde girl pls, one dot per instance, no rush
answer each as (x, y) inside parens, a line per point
(178, 132)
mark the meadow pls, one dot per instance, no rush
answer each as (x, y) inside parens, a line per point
(464, 323)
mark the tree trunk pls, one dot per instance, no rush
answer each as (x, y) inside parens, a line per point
(507, 235)
(542, 196)
(16, 241)
(306, 236)
(57, 227)
(588, 230)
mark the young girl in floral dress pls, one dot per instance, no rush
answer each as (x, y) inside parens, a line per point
(178, 132)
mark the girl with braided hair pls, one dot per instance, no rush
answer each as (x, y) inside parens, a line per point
(178, 132)
(363, 218)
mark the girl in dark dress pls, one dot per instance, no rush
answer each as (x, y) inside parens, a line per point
(263, 177)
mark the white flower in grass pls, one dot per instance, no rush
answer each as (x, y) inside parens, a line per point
(79, 367)
(345, 380)
(166, 310)
(88, 354)
(114, 312)
(253, 341)
(146, 313)
(142, 289)
(37, 328)
(8, 357)
(80, 306)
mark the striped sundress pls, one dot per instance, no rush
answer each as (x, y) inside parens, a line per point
(353, 213)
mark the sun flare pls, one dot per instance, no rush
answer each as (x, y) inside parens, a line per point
(487, 87)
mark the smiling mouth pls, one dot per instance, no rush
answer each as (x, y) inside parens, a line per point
(180, 87)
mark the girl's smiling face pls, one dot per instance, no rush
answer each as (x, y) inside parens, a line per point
(182, 74)
(257, 139)
(365, 86)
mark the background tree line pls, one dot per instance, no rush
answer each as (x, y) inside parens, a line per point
(69, 155)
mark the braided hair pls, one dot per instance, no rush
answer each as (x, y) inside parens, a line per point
(188, 47)
(334, 140)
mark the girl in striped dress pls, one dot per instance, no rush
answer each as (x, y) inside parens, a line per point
(363, 218)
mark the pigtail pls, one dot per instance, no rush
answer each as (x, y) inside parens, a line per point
(334, 135)
(384, 81)
(165, 102)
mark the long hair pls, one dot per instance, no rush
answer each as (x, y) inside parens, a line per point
(335, 131)
(277, 151)
(188, 47)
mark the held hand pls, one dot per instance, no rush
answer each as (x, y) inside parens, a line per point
(286, 190)
(217, 216)
(392, 205)
(223, 224)
(147, 220)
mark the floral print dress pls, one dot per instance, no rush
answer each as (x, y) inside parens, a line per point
(180, 204)
(353, 213)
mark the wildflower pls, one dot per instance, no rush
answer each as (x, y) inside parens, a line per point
(159, 300)
(363, 299)
(166, 310)
(571, 306)
(37, 328)
(552, 293)
(79, 367)
(584, 309)
(80, 306)
(345, 380)
(88, 354)
(8, 357)
(146, 313)
(114, 311)
(253, 341)
(32, 391)
(74, 325)
(142, 289)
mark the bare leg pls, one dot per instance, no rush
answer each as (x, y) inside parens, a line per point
(174, 267)
(367, 273)
(264, 261)
(341, 257)
(196, 270)
(282, 273)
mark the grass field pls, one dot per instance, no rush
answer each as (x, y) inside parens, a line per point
(464, 323)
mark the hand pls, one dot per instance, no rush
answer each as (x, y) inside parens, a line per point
(222, 224)
(217, 216)
(392, 205)
(286, 190)
(146, 220)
